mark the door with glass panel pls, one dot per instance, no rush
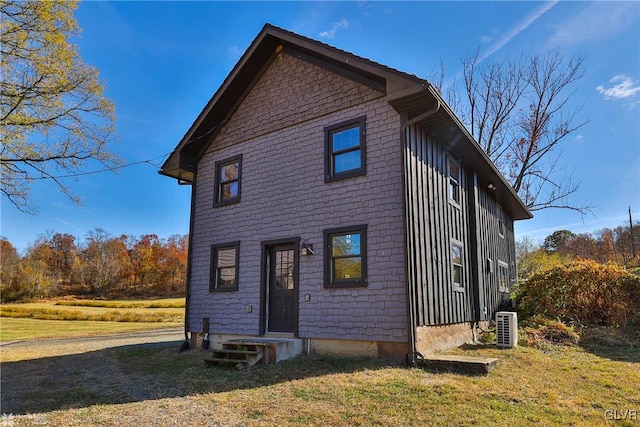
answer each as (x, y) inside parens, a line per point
(282, 306)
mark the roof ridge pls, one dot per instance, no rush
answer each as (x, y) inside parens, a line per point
(403, 74)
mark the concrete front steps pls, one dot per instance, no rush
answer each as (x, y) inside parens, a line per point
(247, 352)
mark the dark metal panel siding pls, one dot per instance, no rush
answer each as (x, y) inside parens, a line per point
(496, 248)
(432, 222)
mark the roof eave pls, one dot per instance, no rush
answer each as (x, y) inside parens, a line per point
(423, 97)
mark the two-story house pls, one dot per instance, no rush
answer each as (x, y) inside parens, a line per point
(341, 202)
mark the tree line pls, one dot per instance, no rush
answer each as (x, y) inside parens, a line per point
(620, 245)
(100, 265)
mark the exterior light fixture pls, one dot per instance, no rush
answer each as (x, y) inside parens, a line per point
(306, 249)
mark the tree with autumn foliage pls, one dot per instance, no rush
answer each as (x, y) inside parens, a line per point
(144, 257)
(9, 270)
(100, 265)
(605, 245)
(617, 245)
(55, 118)
(584, 292)
(171, 262)
(105, 260)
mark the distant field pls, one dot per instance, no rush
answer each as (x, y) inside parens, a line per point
(156, 303)
(68, 318)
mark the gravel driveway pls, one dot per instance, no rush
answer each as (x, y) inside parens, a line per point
(37, 370)
(32, 349)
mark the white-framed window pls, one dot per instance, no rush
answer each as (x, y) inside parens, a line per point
(500, 215)
(457, 269)
(503, 276)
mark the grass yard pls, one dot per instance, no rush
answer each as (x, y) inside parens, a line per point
(14, 329)
(154, 385)
(69, 318)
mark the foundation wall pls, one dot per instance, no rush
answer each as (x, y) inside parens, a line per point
(354, 348)
(349, 348)
(431, 339)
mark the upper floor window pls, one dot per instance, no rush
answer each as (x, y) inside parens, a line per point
(500, 222)
(456, 264)
(345, 150)
(227, 184)
(454, 181)
(346, 257)
(503, 276)
(224, 267)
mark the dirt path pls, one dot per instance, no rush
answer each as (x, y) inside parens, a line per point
(37, 348)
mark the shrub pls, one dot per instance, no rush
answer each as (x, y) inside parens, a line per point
(539, 332)
(583, 292)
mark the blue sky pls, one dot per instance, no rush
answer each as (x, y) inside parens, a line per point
(162, 61)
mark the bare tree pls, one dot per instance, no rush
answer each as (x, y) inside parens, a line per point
(518, 110)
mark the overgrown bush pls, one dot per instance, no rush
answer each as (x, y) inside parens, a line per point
(540, 333)
(582, 292)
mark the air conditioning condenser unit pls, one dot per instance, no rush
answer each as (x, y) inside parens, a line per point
(506, 329)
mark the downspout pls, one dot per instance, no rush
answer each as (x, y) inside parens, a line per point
(413, 356)
(477, 278)
(189, 256)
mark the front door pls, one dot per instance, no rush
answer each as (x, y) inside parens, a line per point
(282, 289)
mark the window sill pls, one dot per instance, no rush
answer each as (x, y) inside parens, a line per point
(218, 290)
(457, 288)
(345, 285)
(226, 202)
(345, 175)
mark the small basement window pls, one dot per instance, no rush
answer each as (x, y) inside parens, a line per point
(345, 150)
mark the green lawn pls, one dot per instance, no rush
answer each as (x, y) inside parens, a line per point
(23, 329)
(71, 318)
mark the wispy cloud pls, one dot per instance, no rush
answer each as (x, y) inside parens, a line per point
(505, 38)
(517, 29)
(623, 88)
(71, 226)
(234, 52)
(595, 21)
(343, 23)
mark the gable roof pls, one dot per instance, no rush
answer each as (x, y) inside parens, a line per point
(408, 94)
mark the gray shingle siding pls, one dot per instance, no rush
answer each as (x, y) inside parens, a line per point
(278, 129)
